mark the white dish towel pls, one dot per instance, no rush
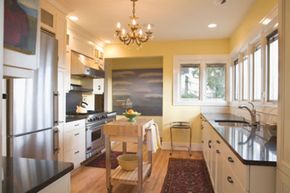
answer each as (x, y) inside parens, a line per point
(153, 142)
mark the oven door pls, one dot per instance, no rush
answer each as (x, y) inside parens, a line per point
(95, 139)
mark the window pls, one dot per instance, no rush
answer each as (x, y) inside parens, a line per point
(199, 80)
(245, 78)
(215, 81)
(257, 74)
(273, 66)
(236, 79)
(189, 81)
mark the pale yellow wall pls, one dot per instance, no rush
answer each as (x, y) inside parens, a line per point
(168, 50)
(258, 11)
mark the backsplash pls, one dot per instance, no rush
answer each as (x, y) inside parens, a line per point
(267, 115)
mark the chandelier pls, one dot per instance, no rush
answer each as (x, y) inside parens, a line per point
(135, 33)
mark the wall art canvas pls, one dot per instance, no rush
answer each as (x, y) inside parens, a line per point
(140, 89)
(20, 25)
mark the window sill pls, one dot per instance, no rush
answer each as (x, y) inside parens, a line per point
(201, 103)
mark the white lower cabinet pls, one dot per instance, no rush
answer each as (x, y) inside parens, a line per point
(74, 142)
(227, 173)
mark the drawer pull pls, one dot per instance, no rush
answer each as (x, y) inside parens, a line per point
(218, 142)
(218, 151)
(230, 159)
(77, 134)
(202, 141)
(209, 144)
(77, 152)
(76, 125)
(230, 180)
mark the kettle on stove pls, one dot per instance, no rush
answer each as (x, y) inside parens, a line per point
(82, 108)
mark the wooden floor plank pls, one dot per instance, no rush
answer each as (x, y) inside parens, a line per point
(93, 180)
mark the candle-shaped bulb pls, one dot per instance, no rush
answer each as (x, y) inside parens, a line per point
(140, 32)
(149, 27)
(118, 25)
(123, 31)
(134, 22)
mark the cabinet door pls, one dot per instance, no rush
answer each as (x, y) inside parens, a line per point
(284, 92)
(283, 183)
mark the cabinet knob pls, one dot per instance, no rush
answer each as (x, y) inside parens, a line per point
(218, 142)
(77, 134)
(230, 180)
(209, 143)
(230, 159)
(218, 151)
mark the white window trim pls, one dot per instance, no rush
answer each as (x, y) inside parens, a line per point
(202, 60)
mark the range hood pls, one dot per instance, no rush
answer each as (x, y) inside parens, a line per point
(84, 66)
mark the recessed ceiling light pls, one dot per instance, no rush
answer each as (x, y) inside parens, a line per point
(107, 41)
(212, 25)
(73, 18)
(265, 21)
(276, 25)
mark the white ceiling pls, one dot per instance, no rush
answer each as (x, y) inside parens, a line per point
(172, 19)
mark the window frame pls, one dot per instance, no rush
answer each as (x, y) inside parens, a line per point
(273, 36)
(256, 48)
(208, 65)
(203, 60)
(243, 64)
(235, 67)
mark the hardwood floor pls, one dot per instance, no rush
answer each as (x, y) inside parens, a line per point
(93, 180)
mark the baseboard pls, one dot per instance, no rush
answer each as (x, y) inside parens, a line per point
(182, 146)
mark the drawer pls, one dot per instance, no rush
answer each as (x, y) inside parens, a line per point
(230, 183)
(75, 156)
(241, 171)
(79, 124)
(73, 139)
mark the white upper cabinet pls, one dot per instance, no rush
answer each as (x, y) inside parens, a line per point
(283, 184)
(53, 20)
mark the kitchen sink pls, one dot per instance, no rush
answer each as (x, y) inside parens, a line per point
(225, 123)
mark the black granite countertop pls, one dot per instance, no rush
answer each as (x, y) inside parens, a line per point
(22, 175)
(252, 147)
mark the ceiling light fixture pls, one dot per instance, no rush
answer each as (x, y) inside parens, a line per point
(135, 33)
(212, 25)
(73, 18)
(107, 41)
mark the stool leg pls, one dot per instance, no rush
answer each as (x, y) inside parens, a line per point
(190, 136)
(171, 142)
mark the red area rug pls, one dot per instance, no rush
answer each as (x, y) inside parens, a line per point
(187, 176)
(100, 161)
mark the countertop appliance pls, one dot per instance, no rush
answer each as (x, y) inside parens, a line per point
(33, 108)
(84, 66)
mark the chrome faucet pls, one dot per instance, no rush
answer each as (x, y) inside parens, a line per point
(252, 112)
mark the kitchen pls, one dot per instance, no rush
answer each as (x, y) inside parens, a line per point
(93, 79)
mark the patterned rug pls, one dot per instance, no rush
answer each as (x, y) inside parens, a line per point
(187, 176)
(100, 161)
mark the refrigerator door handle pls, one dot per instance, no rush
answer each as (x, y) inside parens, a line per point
(55, 108)
(56, 140)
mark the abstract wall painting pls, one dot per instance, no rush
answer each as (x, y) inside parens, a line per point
(20, 25)
(140, 89)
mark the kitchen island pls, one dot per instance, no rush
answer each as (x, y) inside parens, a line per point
(22, 175)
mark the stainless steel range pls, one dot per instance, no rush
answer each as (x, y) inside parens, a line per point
(95, 140)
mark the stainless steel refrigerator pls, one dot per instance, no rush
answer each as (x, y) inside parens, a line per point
(33, 107)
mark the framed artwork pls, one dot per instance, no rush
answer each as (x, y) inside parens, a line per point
(20, 25)
(140, 89)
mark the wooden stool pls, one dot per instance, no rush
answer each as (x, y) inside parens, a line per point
(180, 125)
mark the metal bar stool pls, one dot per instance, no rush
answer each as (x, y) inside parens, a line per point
(180, 125)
